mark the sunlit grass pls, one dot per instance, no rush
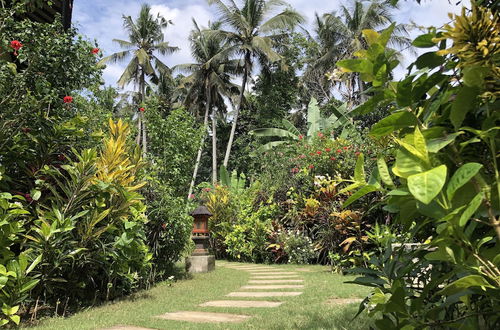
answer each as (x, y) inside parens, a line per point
(307, 311)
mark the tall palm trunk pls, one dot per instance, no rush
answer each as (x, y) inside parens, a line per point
(240, 101)
(200, 149)
(214, 148)
(141, 115)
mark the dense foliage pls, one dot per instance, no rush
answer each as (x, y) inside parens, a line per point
(443, 181)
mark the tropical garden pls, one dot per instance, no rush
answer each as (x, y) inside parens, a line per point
(302, 144)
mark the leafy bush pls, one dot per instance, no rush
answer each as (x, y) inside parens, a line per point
(444, 129)
(298, 248)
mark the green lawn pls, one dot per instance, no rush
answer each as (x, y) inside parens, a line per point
(307, 311)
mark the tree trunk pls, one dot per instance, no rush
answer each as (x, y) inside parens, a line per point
(139, 129)
(214, 148)
(200, 149)
(235, 119)
(143, 118)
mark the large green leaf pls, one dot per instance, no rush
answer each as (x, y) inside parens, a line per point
(385, 175)
(358, 194)
(313, 117)
(273, 132)
(434, 145)
(464, 102)
(356, 65)
(359, 171)
(465, 283)
(429, 60)
(427, 185)
(424, 41)
(461, 177)
(224, 176)
(471, 209)
(406, 164)
(393, 122)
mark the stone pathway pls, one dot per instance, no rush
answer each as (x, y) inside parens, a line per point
(263, 278)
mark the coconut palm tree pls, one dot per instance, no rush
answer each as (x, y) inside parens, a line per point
(340, 36)
(253, 27)
(208, 83)
(145, 39)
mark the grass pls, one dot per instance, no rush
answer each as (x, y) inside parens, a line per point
(307, 311)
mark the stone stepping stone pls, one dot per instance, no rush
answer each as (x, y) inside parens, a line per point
(282, 286)
(273, 273)
(265, 277)
(204, 317)
(126, 327)
(241, 303)
(263, 294)
(274, 281)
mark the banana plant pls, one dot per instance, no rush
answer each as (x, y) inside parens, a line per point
(236, 183)
(315, 122)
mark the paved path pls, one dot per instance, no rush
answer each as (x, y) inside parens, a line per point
(263, 282)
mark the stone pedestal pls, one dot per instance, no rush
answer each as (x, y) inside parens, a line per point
(200, 263)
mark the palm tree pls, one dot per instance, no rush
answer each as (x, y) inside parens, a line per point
(207, 84)
(145, 38)
(340, 36)
(253, 29)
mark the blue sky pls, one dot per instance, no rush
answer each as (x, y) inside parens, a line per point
(102, 20)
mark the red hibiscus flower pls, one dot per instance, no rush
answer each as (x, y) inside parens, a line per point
(311, 166)
(68, 99)
(95, 51)
(301, 137)
(346, 147)
(142, 109)
(333, 158)
(339, 151)
(318, 152)
(328, 149)
(16, 45)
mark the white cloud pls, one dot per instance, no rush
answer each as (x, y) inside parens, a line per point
(102, 20)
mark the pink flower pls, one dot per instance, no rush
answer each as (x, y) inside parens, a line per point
(320, 134)
(357, 153)
(191, 196)
(302, 156)
(207, 189)
(295, 170)
(68, 99)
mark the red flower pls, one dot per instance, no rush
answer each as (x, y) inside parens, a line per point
(311, 166)
(357, 153)
(68, 99)
(339, 151)
(333, 158)
(320, 134)
(328, 149)
(207, 189)
(301, 137)
(141, 109)
(16, 45)
(95, 51)
(346, 147)
(295, 170)
(318, 152)
(191, 196)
